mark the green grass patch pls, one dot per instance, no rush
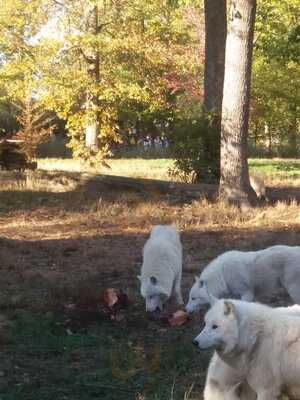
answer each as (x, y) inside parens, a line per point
(276, 168)
(106, 360)
(158, 168)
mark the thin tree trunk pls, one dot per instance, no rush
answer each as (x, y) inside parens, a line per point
(234, 184)
(268, 133)
(215, 40)
(292, 134)
(92, 129)
(293, 142)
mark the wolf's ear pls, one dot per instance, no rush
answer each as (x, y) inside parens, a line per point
(228, 307)
(153, 280)
(197, 278)
(139, 277)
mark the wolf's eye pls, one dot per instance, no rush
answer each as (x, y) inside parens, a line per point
(193, 298)
(150, 297)
(214, 327)
(201, 284)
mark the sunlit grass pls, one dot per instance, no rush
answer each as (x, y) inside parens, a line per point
(133, 167)
(275, 171)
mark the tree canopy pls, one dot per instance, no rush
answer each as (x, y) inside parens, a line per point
(137, 66)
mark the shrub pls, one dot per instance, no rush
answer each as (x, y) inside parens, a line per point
(196, 148)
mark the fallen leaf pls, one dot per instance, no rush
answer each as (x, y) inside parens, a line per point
(178, 318)
(110, 297)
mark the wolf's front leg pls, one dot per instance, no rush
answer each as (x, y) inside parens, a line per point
(177, 290)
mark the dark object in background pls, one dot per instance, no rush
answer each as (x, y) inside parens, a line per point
(13, 158)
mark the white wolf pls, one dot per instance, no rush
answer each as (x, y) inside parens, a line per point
(226, 383)
(162, 267)
(248, 275)
(259, 342)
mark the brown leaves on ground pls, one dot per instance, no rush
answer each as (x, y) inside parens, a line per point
(114, 300)
(178, 318)
(110, 297)
(89, 309)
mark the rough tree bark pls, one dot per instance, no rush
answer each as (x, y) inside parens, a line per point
(215, 40)
(234, 183)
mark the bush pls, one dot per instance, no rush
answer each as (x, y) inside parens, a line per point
(196, 148)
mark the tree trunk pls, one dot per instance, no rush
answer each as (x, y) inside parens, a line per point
(292, 134)
(215, 40)
(234, 184)
(293, 145)
(91, 135)
(92, 129)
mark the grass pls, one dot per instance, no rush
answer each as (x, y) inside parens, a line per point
(104, 361)
(275, 171)
(61, 243)
(156, 168)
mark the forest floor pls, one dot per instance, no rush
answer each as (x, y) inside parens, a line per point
(61, 244)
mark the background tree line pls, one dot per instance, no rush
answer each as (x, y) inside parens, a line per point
(112, 67)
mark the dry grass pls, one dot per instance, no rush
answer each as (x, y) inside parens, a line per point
(132, 211)
(63, 164)
(134, 167)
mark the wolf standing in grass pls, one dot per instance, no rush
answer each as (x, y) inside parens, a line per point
(261, 343)
(226, 383)
(162, 267)
(249, 275)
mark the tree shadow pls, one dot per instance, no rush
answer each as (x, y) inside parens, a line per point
(89, 192)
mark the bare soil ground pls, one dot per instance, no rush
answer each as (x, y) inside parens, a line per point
(61, 243)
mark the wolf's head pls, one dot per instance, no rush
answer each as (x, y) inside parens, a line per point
(221, 328)
(198, 296)
(153, 293)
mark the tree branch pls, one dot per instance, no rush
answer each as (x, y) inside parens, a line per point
(58, 3)
(89, 60)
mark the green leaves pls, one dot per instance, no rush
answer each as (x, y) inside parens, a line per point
(276, 71)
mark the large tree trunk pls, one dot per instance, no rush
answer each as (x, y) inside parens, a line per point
(234, 184)
(215, 40)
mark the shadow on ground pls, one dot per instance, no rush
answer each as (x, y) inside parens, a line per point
(82, 191)
(45, 356)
